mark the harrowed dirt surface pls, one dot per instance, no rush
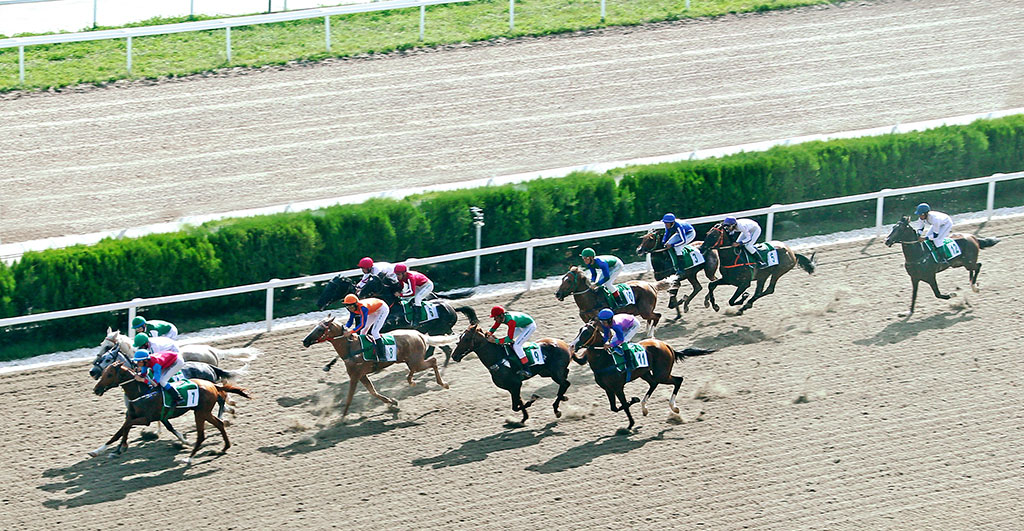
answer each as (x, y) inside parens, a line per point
(821, 410)
(143, 152)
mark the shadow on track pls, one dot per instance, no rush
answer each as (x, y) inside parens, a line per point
(585, 453)
(898, 331)
(338, 432)
(475, 450)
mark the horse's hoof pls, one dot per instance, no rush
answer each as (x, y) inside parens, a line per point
(675, 410)
(707, 304)
(558, 414)
(717, 308)
(93, 453)
(446, 386)
(975, 289)
(327, 368)
(643, 409)
(412, 383)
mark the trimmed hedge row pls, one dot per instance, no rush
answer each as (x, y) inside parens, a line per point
(241, 251)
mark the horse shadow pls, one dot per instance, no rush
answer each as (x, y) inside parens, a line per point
(902, 330)
(101, 480)
(475, 450)
(739, 335)
(333, 397)
(585, 453)
(336, 433)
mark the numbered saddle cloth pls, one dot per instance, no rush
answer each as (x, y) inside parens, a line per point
(621, 295)
(691, 257)
(428, 311)
(768, 253)
(370, 350)
(188, 390)
(533, 353)
(636, 351)
(949, 250)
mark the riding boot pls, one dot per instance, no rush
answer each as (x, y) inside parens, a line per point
(175, 395)
(378, 346)
(522, 373)
(416, 309)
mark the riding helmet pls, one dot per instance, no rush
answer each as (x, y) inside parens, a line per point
(605, 314)
(923, 208)
(401, 268)
(138, 322)
(366, 262)
(140, 355)
(351, 299)
(588, 253)
(729, 221)
(668, 218)
(497, 311)
(140, 340)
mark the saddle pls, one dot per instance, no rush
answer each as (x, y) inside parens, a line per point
(619, 296)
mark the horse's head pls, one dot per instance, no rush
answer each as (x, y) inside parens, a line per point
(588, 336)
(468, 342)
(102, 361)
(334, 291)
(573, 282)
(114, 375)
(323, 331)
(901, 232)
(716, 237)
(647, 242)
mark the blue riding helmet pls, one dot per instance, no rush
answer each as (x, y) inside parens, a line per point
(923, 208)
(668, 218)
(140, 355)
(729, 221)
(605, 314)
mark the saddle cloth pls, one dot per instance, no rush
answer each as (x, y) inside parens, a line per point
(636, 350)
(691, 257)
(625, 293)
(428, 310)
(949, 249)
(390, 349)
(188, 390)
(768, 253)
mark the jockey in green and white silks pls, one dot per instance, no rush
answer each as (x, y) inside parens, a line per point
(154, 328)
(939, 224)
(677, 234)
(609, 267)
(520, 328)
(155, 344)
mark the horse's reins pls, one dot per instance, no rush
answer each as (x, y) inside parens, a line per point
(325, 337)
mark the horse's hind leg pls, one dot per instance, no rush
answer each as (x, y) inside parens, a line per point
(975, 287)
(696, 289)
(758, 293)
(373, 391)
(447, 354)
(171, 429)
(649, 378)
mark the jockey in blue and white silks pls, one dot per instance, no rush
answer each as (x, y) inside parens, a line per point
(677, 234)
(939, 224)
(748, 231)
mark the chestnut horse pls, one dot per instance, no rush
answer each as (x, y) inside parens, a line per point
(590, 301)
(660, 358)
(649, 241)
(412, 348)
(920, 266)
(735, 272)
(146, 404)
(493, 356)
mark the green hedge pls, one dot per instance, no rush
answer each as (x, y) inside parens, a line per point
(241, 251)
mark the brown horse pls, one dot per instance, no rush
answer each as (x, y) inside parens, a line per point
(145, 405)
(920, 266)
(590, 301)
(663, 269)
(411, 346)
(736, 272)
(660, 356)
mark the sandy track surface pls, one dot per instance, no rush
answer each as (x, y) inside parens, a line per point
(822, 410)
(93, 160)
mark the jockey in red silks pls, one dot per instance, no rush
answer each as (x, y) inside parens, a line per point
(158, 369)
(415, 286)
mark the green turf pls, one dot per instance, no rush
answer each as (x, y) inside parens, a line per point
(58, 65)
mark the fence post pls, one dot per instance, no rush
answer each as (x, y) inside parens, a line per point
(529, 266)
(94, 2)
(227, 41)
(879, 209)
(991, 204)
(327, 31)
(769, 224)
(512, 21)
(423, 18)
(128, 54)
(270, 305)
(21, 64)
(602, 11)
(131, 315)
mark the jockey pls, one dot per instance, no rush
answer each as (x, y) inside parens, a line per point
(368, 315)
(154, 327)
(155, 344)
(677, 234)
(748, 232)
(375, 269)
(520, 328)
(609, 266)
(939, 224)
(622, 326)
(158, 369)
(415, 286)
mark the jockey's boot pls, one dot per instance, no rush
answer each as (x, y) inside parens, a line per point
(522, 373)
(625, 357)
(378, 348)
(416, 309)
(175, 395)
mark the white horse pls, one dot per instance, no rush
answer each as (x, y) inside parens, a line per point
(193, 352)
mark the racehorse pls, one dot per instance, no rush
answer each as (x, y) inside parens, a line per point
(146, 405)
(736, 272)
(590, 301)
(337, 287)
(493, 356)
(447, 315)
(920, 266)
(663, 269)
(660, 358)
(202, 353)
(412, 348)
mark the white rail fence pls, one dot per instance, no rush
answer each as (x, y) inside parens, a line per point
(133, 305)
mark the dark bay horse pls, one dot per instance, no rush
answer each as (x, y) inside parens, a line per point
(735, 272)
(660, 357)
(662, 264)
(920, 266)
(590, 301)
(146, 405)
(493, 356)
(412, 349)
(447, 315)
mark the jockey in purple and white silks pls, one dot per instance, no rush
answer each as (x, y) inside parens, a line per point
(748, 231)
(939, 224)
(617, 328)
(677, 234)
(375, 269)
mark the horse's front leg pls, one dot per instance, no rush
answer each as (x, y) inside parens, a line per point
(181, 438)
(758, 293)
(935, 289)
(738, 297)
(352, 381)
(373, 391)
(327, 367)
(709, 299)
(696, 289)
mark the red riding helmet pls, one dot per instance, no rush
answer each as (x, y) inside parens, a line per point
(401, 268)
(497, 311)
(366, 262)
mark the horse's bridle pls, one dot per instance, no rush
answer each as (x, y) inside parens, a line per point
(576, 280)
(590, 342)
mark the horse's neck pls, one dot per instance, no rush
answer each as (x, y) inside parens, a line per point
(912, 251)
(489, 353)
(134, 389)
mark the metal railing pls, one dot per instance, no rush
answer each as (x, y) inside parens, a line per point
(529, 246)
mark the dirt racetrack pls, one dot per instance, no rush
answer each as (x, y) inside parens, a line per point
(146, 152)
(822, 410)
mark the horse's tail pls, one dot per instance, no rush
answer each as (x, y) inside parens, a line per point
(457, 293)
(987, 242)
(807, 264)
(224, 388)
(687, 352)
(436, 341)
(470, 313)
(665, 284)
(230, 375)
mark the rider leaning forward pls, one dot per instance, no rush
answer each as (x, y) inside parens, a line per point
(158, 369)
(939, 224)
(520, 328)
(154, 327)
(604, 269)
(747, 231)
(415, 286)
(368, 316)
(618, 329)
